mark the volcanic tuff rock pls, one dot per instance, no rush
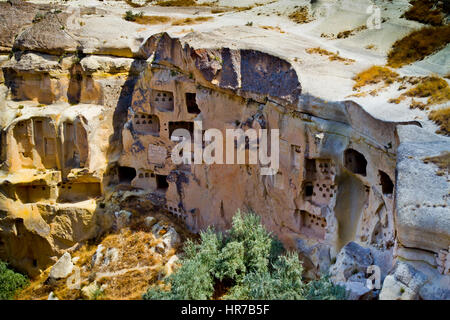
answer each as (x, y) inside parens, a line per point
(89, 102)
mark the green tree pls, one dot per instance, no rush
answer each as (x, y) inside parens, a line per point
(249, 261)
(10, 282)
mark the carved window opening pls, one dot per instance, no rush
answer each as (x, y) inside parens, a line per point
(296, 156)
(308, 189)
(162, 100)
(161, 182)
(189, 126)
(149, 126)
(355, 162)
(387, 186)
(126, 174)
(191, 103)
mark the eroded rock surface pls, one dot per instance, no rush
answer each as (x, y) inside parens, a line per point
(87, 119)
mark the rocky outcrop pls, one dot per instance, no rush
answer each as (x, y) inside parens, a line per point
(422, 204)
(403, 284)
(351, 262)
(62, 268)
(47, 35)
(15, 16)
(87, 119)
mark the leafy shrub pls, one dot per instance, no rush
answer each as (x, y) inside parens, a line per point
(244, 263)
(10, 282)
(323, 289)
(130, 16)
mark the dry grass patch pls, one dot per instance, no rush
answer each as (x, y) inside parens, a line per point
(418, 45)
(137, 5)
(426, 11)
(149, 20)
(417, 105)
(272, 28)
(442, 118)
(348, 33)
(176, 3)
(301, 15)
(434, 88)
(187, 21)
(331, 55)
(442, 161)
(127, 277)
(374, 75)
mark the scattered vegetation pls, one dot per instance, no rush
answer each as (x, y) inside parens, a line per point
(187, 21)
(348, 33)
(414, 104)
(149, 20)
(442, 118)
(10, 282)
(374, 75)
(301, 15)
(426, 11)
(130, 16)
(98, 294)
(131, 3)
(214, 11)
(442, 161)
(434, 88)
(418, 45)
(331, 55)
(244, 263)
(38, 17)
(176, 3)
(272, 28)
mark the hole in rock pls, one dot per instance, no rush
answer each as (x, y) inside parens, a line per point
(31, 194)
(79, 192)
(191, 103)
(355, 162)
(387, 186)
(126, 174)
(161, 182)
(189, 126)
(309, 188)
(151, 126)
(161, 103)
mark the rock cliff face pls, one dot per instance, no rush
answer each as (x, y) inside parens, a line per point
(87, 120)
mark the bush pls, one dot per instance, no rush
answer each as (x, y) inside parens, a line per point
(10, 282)
(246, 262)
(130, 16)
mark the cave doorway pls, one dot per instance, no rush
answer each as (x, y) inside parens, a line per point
(191, 103)
(126, 174)
(355, 162)
(387, 186)
(161, 182)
